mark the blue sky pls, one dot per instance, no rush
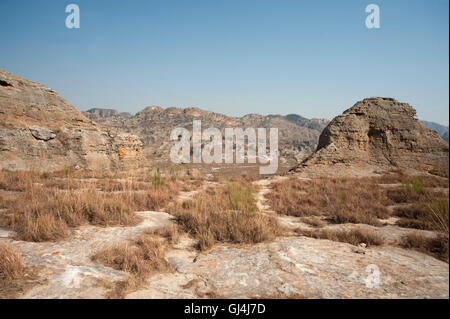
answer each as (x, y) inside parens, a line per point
(313, 58)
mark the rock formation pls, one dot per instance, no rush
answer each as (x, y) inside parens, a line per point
(40, 130)
(379, 134)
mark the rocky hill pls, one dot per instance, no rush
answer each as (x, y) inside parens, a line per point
(379, 134)
(298, 136)
(40, 130)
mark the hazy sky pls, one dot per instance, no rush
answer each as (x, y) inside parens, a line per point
(314, 58)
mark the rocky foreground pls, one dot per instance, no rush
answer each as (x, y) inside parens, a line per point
(289, 267)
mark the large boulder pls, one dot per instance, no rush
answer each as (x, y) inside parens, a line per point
(40, 130)
(380, 134)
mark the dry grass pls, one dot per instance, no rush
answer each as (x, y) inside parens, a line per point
(354, 237)
(436, 247)
(429, 208)
(432, 215)
(440, 214)
(401, 177)
(15, 278)
(141, 258)
(51, 204)
(352, 200)
(171, 233)
(363, 200)
(417, 189)
(17, 181)
(343, 200)
(11, 267)
(225, 214)
(313, 221)
(46, 214)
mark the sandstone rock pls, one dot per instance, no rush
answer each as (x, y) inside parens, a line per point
(380, 134)
(288, 267)
(40, 130)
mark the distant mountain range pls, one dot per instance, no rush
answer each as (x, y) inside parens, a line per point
(298, 136)
(441, 129)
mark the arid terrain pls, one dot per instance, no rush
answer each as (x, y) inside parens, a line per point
(92, 207)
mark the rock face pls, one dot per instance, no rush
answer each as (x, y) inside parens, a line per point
(40, 130)
(380, 133)
(298, 136)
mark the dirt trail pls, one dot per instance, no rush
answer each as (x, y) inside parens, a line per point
(263, 189)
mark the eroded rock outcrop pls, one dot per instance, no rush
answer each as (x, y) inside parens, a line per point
(379, 134)
(40, 130)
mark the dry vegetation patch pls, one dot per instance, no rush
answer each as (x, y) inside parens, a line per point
(46, 214)
(15, 278)
(225, 214)
(11, 266)
(432, 215)
(428, 209)
(343, 200)
(436, 247)
(49, 205)
(171, 233)
(420, 202)
(141, 258)
(17, 181)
